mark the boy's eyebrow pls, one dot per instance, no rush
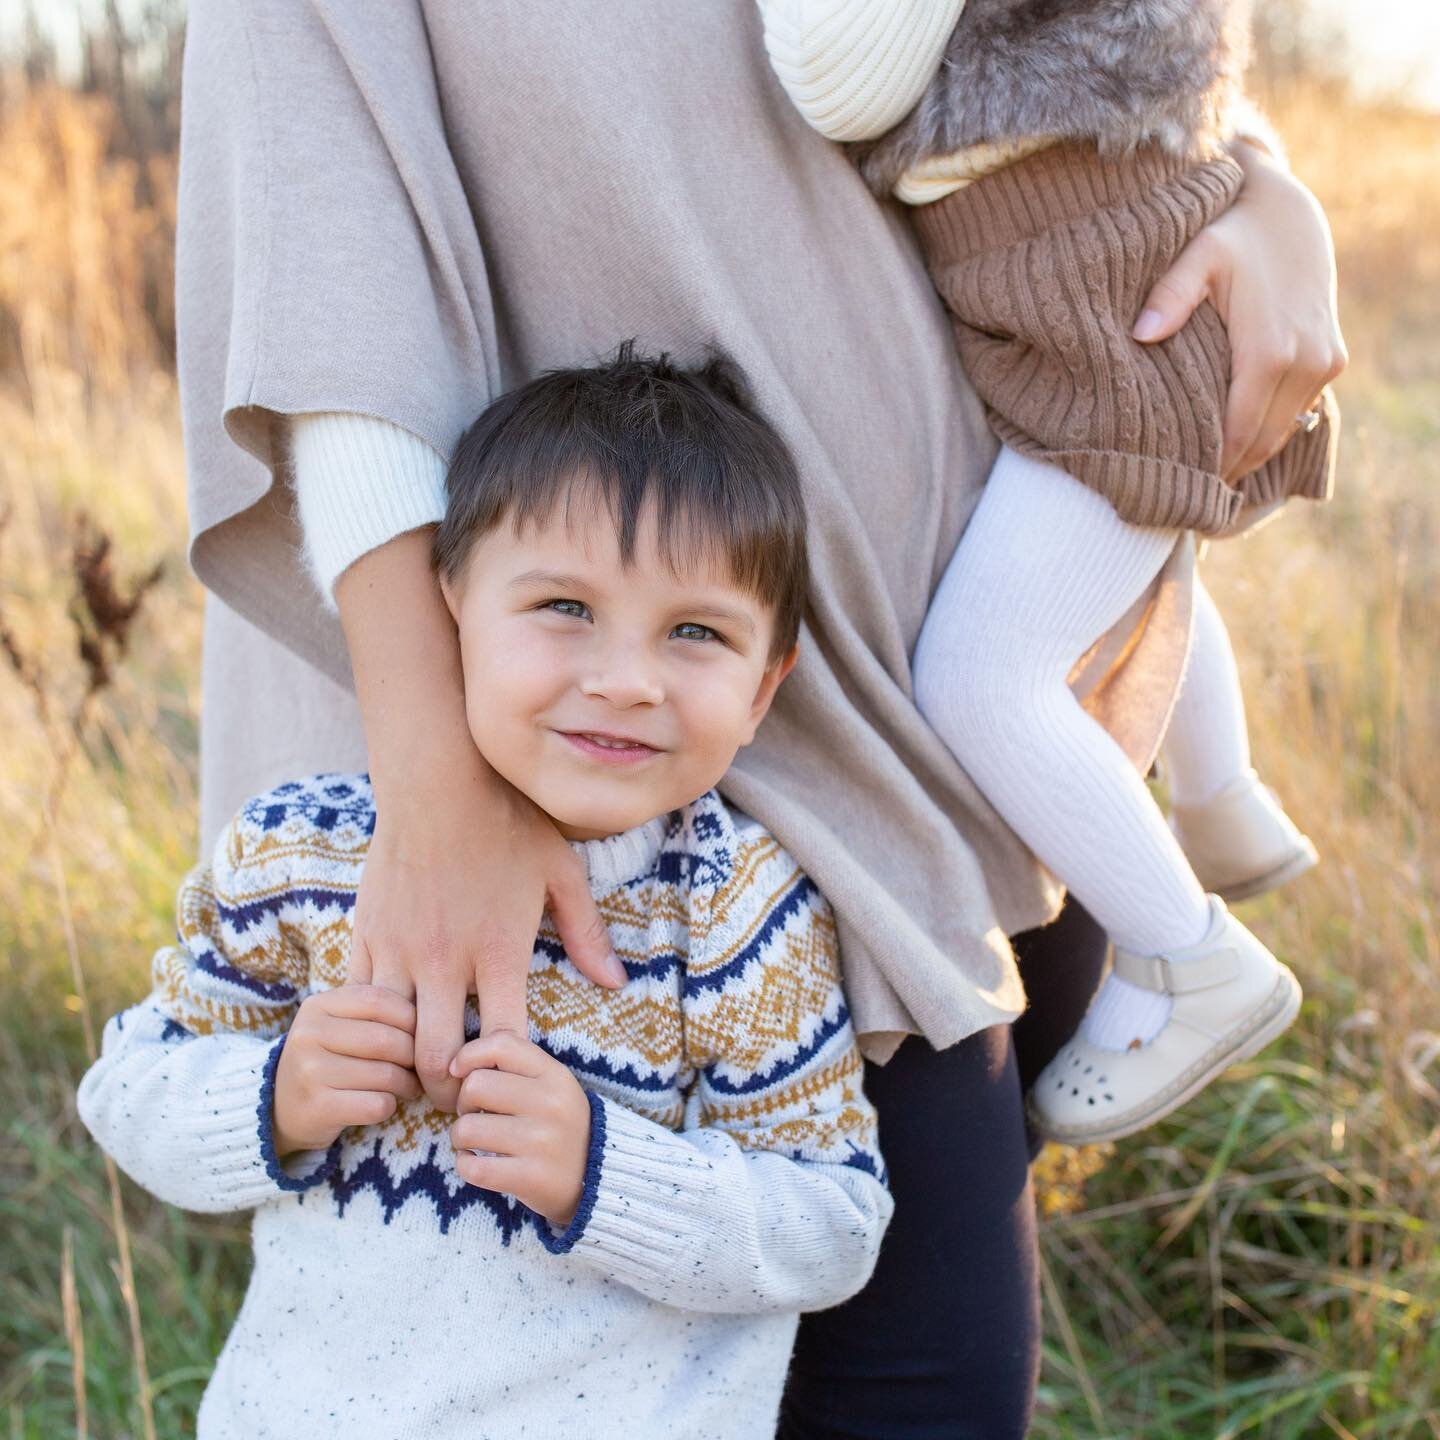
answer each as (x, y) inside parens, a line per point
(719, 612)
(548, 577)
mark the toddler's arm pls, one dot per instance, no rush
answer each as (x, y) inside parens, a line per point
(855, 68)
(773, 1196)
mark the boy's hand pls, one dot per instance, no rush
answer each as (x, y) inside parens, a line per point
(348, 1059)
(529, 1112)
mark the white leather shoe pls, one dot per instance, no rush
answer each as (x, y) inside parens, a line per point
(1230, 997)
(1241, 843)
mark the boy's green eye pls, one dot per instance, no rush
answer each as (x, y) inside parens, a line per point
(576, 607)
(690, 625)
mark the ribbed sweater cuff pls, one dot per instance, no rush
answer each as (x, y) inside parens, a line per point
(855, 68)
(232, 1139)
(641, 1211)
(359, 482)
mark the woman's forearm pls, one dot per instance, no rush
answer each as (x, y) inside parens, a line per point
(405, 655)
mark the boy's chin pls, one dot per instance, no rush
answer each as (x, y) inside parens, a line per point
(595, 823)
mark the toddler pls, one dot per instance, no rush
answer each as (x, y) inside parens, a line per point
(617, 1233)
(1056, 163)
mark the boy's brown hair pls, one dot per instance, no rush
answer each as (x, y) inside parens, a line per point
(631, 430)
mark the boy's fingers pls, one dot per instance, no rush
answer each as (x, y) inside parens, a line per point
(582, 931)
(496, 1091)
(360, 1107)
(502, 1051)
(345, 1072)
(500, 1134)
(369, 1040)
(371, 1002)
(490, 1172)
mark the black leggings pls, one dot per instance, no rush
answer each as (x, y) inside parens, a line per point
(945, 1339)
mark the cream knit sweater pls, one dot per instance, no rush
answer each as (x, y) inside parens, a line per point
(732, 1179)
(855, 68)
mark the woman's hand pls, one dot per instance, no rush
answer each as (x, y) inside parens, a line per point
(1268, 267)
(461, 865)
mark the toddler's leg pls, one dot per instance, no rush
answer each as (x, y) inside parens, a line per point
(1044, 568)
(1238, 839)
(1207, 745)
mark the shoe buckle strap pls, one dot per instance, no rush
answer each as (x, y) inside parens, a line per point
(1155, 972)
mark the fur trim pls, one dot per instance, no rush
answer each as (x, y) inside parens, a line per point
(1119, 72)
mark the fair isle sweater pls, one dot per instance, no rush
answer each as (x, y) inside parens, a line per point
(732, 1179)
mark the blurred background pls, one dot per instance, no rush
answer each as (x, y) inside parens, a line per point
(1266, 1263)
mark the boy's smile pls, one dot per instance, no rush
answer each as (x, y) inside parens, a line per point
(609, 695)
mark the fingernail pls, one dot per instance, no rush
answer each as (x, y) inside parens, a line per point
(1147, 327)
(618, 973)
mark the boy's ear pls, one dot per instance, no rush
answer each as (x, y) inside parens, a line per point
(452, 600)
(769, 684)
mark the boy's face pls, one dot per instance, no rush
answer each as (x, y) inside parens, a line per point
(608, 696)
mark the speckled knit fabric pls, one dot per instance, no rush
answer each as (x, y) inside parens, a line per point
(733, 1178)
(1044, 266)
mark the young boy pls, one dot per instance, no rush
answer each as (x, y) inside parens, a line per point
(617, 1233)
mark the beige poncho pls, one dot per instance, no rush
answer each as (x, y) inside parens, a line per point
(401, 209)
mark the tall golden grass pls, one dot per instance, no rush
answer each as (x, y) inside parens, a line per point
(1266, 1263)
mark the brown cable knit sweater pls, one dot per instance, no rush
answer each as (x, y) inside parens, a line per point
(1045, 263)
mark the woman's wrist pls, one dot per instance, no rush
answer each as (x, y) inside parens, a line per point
(405, 656)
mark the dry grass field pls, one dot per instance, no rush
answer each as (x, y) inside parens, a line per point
(1267, 1263)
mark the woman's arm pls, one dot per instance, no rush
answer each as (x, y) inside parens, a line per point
(461, 864)
(1268, 267)
(854, 68)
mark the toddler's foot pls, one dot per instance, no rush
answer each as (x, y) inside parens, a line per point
(1220, 1001)
(1241, 843)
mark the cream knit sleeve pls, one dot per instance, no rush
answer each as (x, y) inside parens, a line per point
(359, 481)
(855, 68)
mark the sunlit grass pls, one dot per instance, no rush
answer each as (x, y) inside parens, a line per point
(1266, 1263)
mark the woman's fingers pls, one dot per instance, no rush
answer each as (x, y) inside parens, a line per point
(358, 969)
(582, 931)
(439, 1033)
(1257, 372)
(1176, 295)
(1295, 394)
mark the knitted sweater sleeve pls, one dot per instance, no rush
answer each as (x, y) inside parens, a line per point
(854, 68)
(181, 1093)
(359, 481)
(773, 1195)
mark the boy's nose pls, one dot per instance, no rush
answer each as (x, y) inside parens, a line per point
(624, 676)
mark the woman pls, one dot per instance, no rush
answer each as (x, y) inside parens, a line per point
(389, 214)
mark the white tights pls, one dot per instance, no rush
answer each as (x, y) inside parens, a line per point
(1207, 745)
(1044, 568)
